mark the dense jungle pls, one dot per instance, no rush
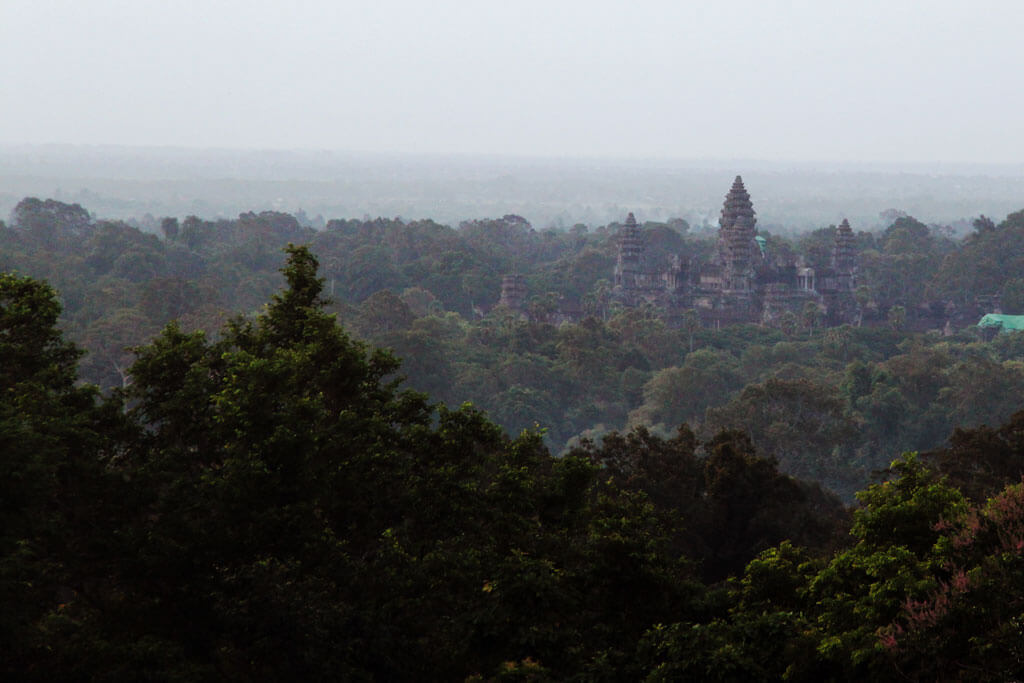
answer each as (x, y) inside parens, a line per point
(345, 461)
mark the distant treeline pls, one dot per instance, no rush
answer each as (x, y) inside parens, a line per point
(142, 184)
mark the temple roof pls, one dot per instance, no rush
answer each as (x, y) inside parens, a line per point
(737, 208)
(844, 249)
(844, 235)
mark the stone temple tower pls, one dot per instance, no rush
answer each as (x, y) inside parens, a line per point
(629, 264)
(737, 250)
(844, 257)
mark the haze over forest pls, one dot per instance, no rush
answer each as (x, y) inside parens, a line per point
(574, 113)
(130, 182)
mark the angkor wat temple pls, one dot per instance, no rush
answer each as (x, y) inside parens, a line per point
(742, 283)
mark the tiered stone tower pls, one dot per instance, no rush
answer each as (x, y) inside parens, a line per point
(844, 257)
(737, 249)
(630, 263)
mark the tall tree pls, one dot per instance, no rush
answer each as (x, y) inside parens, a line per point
(55, 494)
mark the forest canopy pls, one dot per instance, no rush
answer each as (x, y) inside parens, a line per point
(267, 502)
(830, 403)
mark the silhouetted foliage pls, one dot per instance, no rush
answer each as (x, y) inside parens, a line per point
(268, 502)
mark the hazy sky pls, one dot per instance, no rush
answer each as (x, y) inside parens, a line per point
(935, 80)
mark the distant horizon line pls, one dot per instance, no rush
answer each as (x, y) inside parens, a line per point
(709, 163)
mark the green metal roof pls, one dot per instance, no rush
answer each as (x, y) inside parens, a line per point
(1006, 323)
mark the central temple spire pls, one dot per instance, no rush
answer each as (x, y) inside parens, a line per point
(737, 211)
(737, 249)
(844, 250)
(630, 259)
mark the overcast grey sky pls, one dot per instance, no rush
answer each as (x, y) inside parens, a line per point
(890, 80)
